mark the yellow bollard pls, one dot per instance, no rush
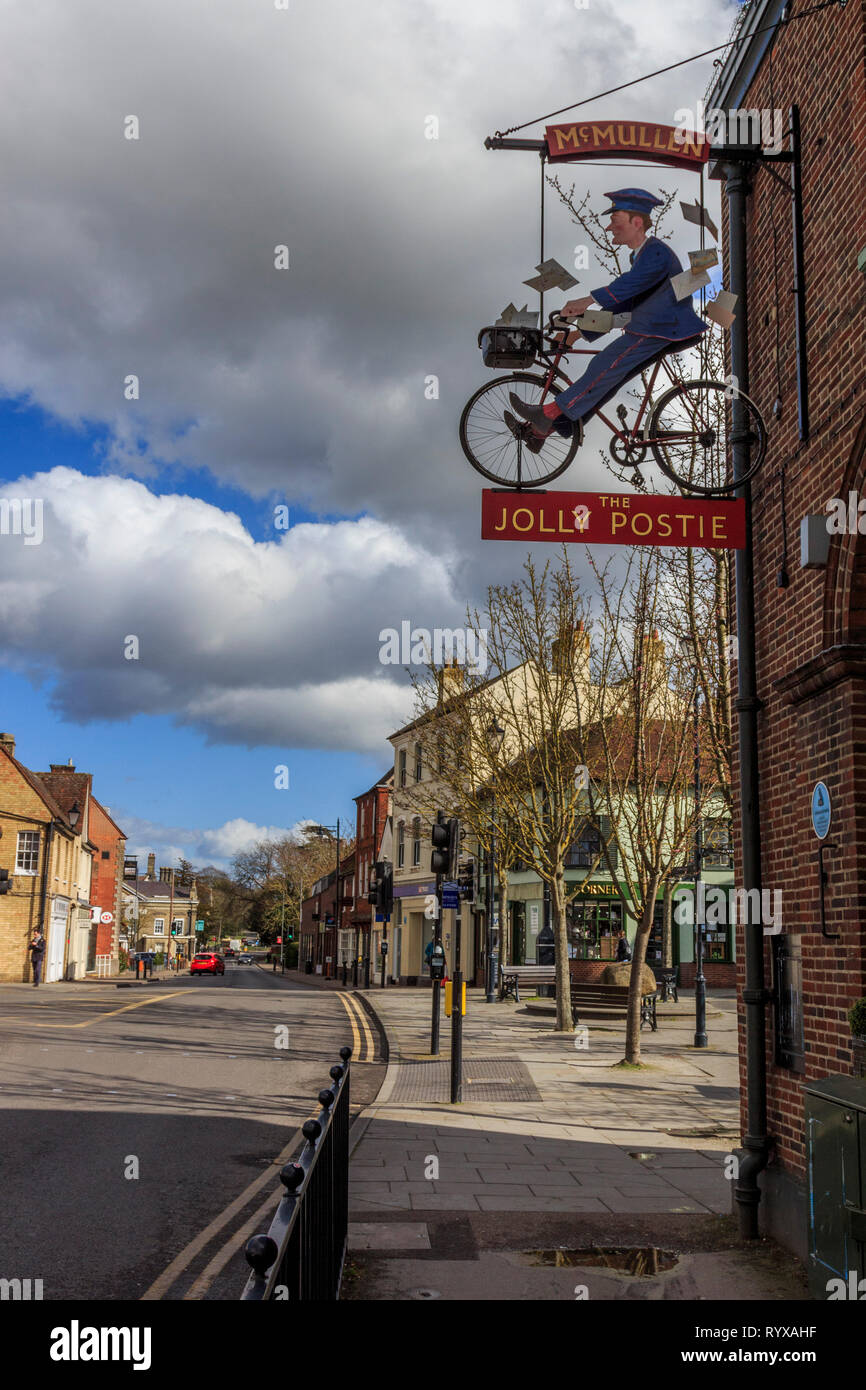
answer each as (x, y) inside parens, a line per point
(448, 998)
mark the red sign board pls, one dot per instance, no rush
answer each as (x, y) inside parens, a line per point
(659, 144)
(604, 518)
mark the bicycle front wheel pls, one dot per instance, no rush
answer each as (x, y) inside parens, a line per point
(691, 431)
(503, 456)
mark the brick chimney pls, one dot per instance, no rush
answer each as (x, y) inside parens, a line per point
(7, 741)
(451, 680)
(151, 866)
(579, 647)
(62, 767)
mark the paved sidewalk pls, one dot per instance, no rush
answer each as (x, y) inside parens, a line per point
(574, 1135)
(547, 1132)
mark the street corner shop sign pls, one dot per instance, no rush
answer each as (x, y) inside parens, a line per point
(604, 518)
(659, 144)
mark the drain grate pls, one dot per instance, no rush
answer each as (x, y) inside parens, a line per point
(484, 1078)
(640, 1261)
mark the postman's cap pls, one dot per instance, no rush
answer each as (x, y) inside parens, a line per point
(632, 200)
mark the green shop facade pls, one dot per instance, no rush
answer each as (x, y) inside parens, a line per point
(596, 912)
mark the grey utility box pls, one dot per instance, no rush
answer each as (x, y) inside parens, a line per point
(836, 1175)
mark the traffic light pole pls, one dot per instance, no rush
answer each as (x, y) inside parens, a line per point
(457, 1017)
(437, 921)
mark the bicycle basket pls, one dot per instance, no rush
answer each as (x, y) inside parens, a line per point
(509, 347)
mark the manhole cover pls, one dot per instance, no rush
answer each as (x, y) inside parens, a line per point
(635, 1260)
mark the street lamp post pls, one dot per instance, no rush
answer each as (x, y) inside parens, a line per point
(495, 735)
(688, 647)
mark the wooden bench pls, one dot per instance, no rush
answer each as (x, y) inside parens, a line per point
(613, 998)
(511, 977)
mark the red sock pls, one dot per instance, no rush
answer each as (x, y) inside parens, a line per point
(551, 410)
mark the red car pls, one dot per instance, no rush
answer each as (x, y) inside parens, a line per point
(207, 963)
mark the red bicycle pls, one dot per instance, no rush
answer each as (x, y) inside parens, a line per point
(688, 429)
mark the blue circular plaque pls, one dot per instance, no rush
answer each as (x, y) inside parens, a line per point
(820, 810)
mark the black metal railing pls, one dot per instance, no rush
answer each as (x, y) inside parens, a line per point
(301, 1257)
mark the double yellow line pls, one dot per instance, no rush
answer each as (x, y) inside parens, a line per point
(361, 1030)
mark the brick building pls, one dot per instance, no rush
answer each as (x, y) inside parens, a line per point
(374, 810)
(810, 633)
(45, 845)
(106, 880)
(161, 912)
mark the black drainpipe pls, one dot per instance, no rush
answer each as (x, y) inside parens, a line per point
(756, 1141)
(49, 838)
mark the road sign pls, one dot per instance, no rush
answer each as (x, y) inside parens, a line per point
(450, 896)
(199, 926)
(106, 917)
(821, 810)
(602, 518)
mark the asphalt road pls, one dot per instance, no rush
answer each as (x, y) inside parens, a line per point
(143, 1128)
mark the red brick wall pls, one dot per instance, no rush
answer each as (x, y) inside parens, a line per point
(813, 723)
(716, 974)
(106, 875)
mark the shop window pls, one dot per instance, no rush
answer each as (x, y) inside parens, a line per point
(592, 929)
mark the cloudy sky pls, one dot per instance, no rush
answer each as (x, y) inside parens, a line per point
(263, 389)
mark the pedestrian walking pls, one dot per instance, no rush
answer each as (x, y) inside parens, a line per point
(37, 955)
(623, 949)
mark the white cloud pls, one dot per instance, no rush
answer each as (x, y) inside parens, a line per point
(251, 642)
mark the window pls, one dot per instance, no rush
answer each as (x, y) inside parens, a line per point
(28, 852)
(788, 971)
(717, 851)
(159, 926)
(362, 820)
(416, 842)
(584, 849)
(401, 845)
(401, 765)
(106, 854)
(418, 762)
(592, 929)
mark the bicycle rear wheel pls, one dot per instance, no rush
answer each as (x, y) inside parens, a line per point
(690, 432)
(494, 450)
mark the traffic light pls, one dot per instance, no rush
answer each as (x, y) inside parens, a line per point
(381, 894)
(385, 879)
(174, 929)
(466, 880)
(445, 838)
(5, 881)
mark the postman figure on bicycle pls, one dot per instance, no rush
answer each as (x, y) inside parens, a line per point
(643, 303)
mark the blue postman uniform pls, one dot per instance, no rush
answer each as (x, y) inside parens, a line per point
(657, 318)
